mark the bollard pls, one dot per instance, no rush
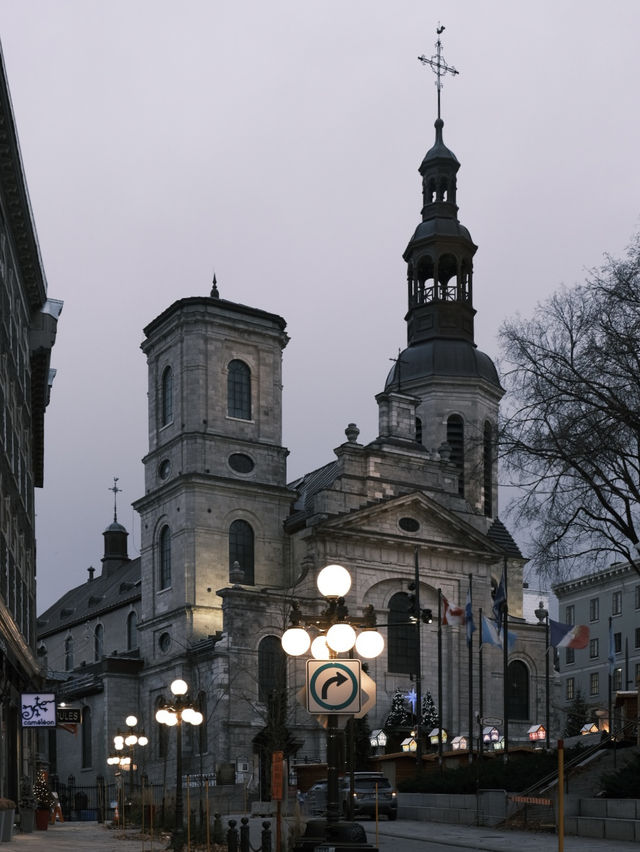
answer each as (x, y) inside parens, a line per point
(232, 837)
(218, 833)
(266, 836)
(245, 844)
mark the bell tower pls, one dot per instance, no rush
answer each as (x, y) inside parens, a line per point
(456, 385)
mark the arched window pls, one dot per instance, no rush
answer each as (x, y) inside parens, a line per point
(418, 430)
(87, 738)
(132, 630)
(239, 390)
(166, 397)
(241, 550)
(455, 439)
(272, 668)
(518, 690)
(161, 731)
(487, 479)
(164, 558)
(68, 653)
(402, 649)
(98, 643)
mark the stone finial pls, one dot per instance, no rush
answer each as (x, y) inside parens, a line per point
(236, 575)
(444, 450)
(215, 294)
(91, 571)
(352, 433)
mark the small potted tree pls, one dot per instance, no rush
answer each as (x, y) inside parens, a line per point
(7, 811)
(27, 805)
(43, 798)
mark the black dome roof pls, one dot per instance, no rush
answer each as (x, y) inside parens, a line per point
(442, 357)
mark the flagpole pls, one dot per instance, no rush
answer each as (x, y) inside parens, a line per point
(469, 636)
(440, 678)
(546, 676)
(480, 686)
(418, 615)
(505, 661)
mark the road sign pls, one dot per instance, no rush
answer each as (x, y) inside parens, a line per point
(333, 686)
(367, 693)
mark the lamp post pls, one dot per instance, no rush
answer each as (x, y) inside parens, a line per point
(542, 615)
(336, 635)
(180, 709)
(130, 739)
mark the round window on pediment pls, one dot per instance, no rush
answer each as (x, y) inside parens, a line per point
(409, 525)
(164, 642)
(241, 463)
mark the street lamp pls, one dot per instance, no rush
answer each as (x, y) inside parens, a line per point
(337, 634)
(130, 739)
(173, 713)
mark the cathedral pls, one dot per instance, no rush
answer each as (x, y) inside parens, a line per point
(228, 545)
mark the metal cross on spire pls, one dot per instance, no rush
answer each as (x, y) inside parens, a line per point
(115, 490)
(438, 65)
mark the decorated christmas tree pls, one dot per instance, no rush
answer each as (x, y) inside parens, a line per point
(429, 715)
(41, 791)
(399, 715)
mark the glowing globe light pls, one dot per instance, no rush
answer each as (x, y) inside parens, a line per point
(334, 581)
(161, 716)
(370, 644)
(172, 719)
(186, 714)
(179, 687)
(320, 649)
(341, 637)
(130, 739)
(143, 740)
(197, 718)
(131, 721)
(295, 641)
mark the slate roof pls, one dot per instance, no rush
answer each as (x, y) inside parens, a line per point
(106, 592)
(501, 536)
(307, 486)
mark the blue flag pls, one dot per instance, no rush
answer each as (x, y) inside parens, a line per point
(491, 636)
(468, 616)
(499, 602)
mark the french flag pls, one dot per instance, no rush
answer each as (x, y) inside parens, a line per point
(568, 635)
(453, 615)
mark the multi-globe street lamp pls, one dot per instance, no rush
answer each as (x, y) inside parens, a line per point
(336, 634)
(130, 738)
(173, 713)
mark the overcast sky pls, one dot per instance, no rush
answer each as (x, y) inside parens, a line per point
(277, 142)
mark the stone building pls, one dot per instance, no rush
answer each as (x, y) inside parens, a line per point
(227, 543)
(28, 321)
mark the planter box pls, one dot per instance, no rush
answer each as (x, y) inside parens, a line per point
(42, 819)
(6, 826)
(27, 819)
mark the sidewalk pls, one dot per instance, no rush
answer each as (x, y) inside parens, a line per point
(82, 837)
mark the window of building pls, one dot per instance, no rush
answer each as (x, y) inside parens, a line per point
(418, 430)
(637, 643)
(637, 680)
(166, 397)
(616, 603)
(241, 549)
(594, 609)
(617, 643)
(570, 656)
(164, 558)
(87, 738)
(239, 390)
(594, 683)
(487, 480)
(637, 597)
(518, 690)
(594, 648)
(272, 668)
(132, 630)
(203, 737)
(68, 653)
(617, 679)
(402, 649)
(570, 614)
(455, 439)
(161, 732)
(98, 643)
(570, 689)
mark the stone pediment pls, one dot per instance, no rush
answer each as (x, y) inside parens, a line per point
(414, 517)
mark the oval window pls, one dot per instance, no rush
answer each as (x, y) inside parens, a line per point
(165, 642)
(409, 524)
(241, 463)
(165, 467)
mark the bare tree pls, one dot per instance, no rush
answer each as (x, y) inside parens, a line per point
(570, 434)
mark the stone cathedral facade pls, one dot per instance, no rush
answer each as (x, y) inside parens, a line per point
(227, 542)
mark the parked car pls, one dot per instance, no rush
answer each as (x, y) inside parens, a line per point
(367, 788)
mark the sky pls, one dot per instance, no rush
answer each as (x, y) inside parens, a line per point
(278, 143)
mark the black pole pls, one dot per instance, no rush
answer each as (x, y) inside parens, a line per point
(547, 715)
(418, 615)
(440, 677)
(470, 652)
(505, 661)
(480, 686)
(333, 804)
(179, 826)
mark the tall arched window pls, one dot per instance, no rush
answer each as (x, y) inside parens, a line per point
(98, 643)
(132, 630)
(402, 649)
(455, 439)
(239, 390)
(68, 653)
(87, 738)
(202, 738)
(241, 550)
(272, 668)
(164, 558)
(487, 459)
(161, 731)
(166, 397)
(418, 430)
(518, 690)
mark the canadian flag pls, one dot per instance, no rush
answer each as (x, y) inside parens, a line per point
(453, 615)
